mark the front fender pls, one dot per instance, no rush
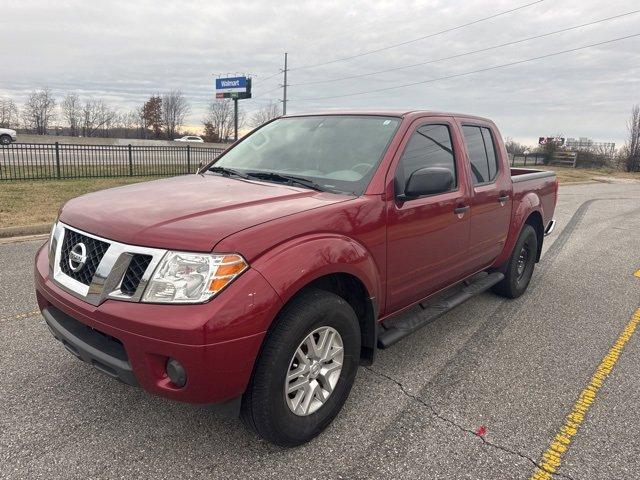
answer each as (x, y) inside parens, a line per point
(294, 264)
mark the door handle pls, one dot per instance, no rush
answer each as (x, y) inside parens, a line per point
(461, 210)
(503, 199)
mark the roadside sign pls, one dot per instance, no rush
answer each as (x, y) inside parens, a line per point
(556, 140)
(230, 85)
(233, 87)
(236, 88)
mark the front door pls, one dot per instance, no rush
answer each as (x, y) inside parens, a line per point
(427, 237)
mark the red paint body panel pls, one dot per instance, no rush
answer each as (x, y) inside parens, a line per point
(427, 245)
(217, 342)
(191, 212)
(402, 252)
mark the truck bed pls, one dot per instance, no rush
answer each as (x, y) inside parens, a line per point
(524, 174)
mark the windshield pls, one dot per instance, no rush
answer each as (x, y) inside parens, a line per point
(335, 152)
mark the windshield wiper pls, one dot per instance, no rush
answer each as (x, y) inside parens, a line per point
(280, 178)
(227, 171)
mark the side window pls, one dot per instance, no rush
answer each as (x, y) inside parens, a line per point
(482, 155)
(429, 146)
(491, 153)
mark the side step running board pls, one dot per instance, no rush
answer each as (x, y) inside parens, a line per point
(399, 328)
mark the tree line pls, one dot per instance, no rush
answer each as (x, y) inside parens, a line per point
(161, 116)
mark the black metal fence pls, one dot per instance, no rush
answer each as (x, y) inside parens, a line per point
(524, 159)
(34, 161)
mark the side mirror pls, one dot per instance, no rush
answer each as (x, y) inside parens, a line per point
(427, 181)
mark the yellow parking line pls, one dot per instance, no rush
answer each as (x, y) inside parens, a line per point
(552, 457)
(20, 316)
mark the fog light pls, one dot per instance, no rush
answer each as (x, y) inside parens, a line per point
(176, 373)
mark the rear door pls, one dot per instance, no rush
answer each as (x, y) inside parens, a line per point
(491, 192)
(427, 237)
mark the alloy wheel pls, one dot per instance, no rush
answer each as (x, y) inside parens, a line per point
(314, 371)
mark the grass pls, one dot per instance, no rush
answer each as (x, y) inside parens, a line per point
(33, 202)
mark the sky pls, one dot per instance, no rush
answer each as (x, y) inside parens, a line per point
(124, 51)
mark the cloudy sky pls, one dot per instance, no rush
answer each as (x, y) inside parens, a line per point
(124, 51)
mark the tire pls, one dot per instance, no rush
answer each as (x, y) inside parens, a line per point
(519, 267)
(265, 406)
(5, 139)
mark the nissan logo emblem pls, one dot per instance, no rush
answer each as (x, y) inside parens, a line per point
(77, 257)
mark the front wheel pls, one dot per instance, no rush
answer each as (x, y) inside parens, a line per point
(305, 371)
(5, 140)
(519, 268)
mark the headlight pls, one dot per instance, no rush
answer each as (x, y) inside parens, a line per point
(191, 277)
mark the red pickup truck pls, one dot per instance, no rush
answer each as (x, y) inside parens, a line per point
(264, 280)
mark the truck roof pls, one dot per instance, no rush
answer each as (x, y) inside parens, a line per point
(389, 113)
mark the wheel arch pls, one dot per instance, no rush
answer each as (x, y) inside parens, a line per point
(354, 292)
(332, 263)
(535, 220)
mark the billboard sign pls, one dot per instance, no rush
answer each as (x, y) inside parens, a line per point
(234, 87)
(546, 140)
(231, 85)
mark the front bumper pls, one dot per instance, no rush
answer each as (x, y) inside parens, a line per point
(216, 342)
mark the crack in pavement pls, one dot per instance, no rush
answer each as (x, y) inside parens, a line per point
(462, 428)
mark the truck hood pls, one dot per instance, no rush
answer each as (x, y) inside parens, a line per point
(192, 212)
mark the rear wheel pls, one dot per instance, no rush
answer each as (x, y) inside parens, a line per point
(5, 139)
(520, 265)
(305, 371)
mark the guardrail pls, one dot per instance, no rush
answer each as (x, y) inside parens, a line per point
(54, 161)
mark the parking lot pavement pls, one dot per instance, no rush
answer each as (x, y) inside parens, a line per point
(509, 370)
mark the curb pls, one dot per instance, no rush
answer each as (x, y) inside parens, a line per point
(581, 182)
(7, 232)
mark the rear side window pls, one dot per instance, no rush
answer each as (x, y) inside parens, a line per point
(482, 154)
(429, 146)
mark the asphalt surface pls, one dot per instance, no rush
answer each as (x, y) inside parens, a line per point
(512, 369)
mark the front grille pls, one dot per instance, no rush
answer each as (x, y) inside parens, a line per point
(95, 251)
(134, 273)
(123, 266)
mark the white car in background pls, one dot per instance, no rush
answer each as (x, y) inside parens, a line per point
(190, 138)
(7, 136)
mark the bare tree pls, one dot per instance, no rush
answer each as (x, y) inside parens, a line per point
(72, 113)
(242, 118)
(605, 150)
(632, 148)
(220, 116)
(8, 113)
(142, 122)
(39, 111)
(515, 148)
(127, 124)
(174, 110)
(96, 115)
(266, 113)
